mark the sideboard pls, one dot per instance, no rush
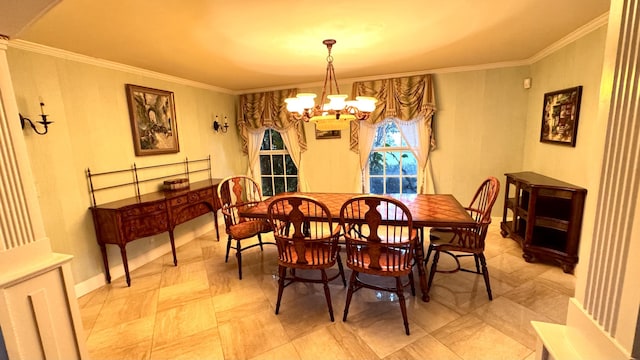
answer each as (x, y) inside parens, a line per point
(544, 215)
(122, 221)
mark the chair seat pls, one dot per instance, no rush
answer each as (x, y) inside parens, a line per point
(449, 240)
(249, 228)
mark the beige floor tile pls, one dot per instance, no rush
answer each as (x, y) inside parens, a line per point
(252, 335)
(471, 338)
(425, 348)
(202, 345)
(172, 275)
(119, 289)
(539, 297)
(286, 351)
(181, 293)
(183, 321)
(332, 342)
(124, 309)
(139, 351)
(123, 335)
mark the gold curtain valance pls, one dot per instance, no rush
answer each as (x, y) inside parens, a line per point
(267, 109)
(405, 98)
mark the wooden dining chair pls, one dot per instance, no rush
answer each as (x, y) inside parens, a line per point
(307, 239)
(468, 241)
(380, 240)
(236, 192)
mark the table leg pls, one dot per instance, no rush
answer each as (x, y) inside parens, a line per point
(420, 263)
(215, 222)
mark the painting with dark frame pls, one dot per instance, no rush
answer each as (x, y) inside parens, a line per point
(560, 113)
(153, 120)
(328, 134)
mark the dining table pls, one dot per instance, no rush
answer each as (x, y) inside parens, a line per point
(427, 210)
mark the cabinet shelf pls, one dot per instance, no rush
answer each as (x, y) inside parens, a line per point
(544, 216)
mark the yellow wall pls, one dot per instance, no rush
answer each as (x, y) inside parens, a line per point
(486, 124)
(579, 63)
(92, 130)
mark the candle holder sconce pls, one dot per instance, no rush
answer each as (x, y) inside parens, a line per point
(44, 122)
(219, 127)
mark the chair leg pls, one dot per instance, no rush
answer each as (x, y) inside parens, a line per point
(260, 242)
(403, 305)
(282, 272)
(239, 257)
(434, 267)
(226, 257)
(341, 269)
(327, 293)
(413, 287)
(352, 286)
(475, 257)
(485, 274)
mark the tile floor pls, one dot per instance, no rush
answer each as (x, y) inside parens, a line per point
(200, 310)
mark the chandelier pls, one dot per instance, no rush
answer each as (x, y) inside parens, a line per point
(334, 111)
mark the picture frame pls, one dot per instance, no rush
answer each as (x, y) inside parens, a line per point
(560, 114)
(328, 134)
(153, 120)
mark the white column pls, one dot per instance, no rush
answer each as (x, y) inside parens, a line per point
(39, 314)
(602, 320)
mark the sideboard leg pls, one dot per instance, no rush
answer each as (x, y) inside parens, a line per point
(173, 247)
(105, 261)
(125, 262)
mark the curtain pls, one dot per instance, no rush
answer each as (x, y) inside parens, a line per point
(410, 102)
(267, 110)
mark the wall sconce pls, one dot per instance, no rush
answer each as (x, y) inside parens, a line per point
(219, 127)
(44, 121)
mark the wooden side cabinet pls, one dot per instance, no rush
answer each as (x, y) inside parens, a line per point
(545, 216)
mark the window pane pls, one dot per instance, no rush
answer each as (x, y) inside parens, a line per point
(409, 164)
(392, 137)
(265, 164)
(393, 185)
(378, 140)
(292, 183)
(276, 141)
(376, 163)
(278, 164)
(265, 140)
(393, 163)
(376, 185)
(290, 166)
(409, 185)
(278, 183)
(267, 187)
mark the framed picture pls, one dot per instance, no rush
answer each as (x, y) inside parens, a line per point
(153, 120)
(327, 134)
(560, 114)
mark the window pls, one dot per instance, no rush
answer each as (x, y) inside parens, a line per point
(278, 172)
(393, 168)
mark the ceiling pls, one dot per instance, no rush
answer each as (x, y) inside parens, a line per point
(251, 45)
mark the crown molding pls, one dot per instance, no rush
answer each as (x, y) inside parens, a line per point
(573, 36)
(68, 55)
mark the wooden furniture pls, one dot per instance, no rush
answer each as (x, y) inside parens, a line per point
(467, 241)
(307, 239)
(125, 220)
(236, 192)
(545, 216)
(380, 240)
(427, 210)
